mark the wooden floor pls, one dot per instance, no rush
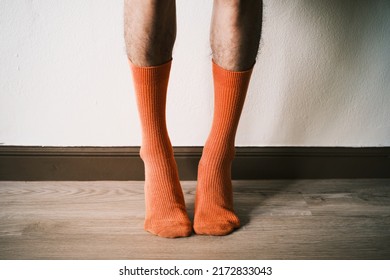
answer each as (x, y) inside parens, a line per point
(307, 219)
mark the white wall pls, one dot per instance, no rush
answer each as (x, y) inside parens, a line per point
(322, 77)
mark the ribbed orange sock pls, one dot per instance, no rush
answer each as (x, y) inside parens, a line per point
(214, 214)
(165, 213)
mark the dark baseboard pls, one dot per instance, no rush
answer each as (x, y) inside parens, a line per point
(22, 163)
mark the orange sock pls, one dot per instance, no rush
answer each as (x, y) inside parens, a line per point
(165, 213)
(214, 214)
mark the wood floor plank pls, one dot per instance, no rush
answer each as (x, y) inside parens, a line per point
(281, 219)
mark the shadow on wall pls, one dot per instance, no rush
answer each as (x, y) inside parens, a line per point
(335, 59)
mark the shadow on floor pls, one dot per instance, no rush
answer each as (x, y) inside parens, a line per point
(249, 198)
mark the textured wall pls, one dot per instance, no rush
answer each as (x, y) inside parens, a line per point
(322, 76)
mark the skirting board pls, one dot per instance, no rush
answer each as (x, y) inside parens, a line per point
(22, 163)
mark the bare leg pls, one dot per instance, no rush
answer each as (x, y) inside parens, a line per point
(235, 35)
(150, 31)
(150, 28)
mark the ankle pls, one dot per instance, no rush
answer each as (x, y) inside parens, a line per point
(218, 153)
(156, 151)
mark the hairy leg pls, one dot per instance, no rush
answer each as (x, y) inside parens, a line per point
(235, 35)
(150, 31)
(150, 28)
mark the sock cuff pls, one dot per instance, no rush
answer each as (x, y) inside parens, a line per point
(150, 74)
(231, 78)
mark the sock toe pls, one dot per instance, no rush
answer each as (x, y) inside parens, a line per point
(216, 227)
(173, 230)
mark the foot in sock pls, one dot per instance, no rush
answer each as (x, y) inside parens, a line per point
(214, 214)
(165, 213)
